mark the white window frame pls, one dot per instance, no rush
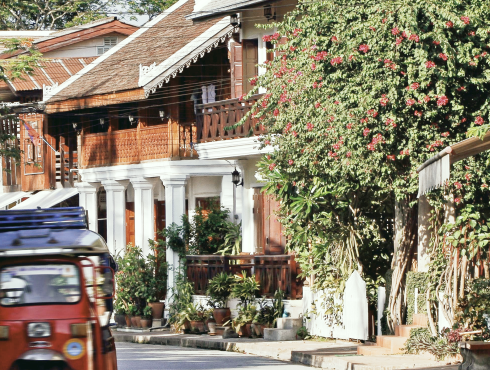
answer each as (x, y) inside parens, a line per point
(109, 42)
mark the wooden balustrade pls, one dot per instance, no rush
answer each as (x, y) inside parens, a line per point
(126, 146)
(272, 272)
(213, 118)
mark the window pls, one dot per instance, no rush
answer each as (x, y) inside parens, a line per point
(109, 42)
(39, 284)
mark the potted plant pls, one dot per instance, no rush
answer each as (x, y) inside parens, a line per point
(119, 313)
(146, 319)
(157, 278)
(132, 310)
(264, 318)
(195, 315)
(181, 298)
(211, 323)
(219, 291)
(245, 289)
(242, 323)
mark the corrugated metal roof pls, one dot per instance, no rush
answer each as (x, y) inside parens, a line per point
(50, 72)
(216, 7)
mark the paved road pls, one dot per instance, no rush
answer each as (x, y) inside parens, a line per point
(132, 356)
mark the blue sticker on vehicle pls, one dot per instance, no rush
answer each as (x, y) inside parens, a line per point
(74, 349)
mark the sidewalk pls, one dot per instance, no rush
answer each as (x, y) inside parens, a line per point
(326, 355)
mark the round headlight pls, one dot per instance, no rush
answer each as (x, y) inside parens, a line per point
(38, 330)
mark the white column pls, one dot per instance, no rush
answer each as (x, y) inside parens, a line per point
(144, 220)
(227, 195)
(174, 210)
(88, 200)
(116, 214)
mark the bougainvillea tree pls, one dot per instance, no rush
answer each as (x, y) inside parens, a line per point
(357, 98)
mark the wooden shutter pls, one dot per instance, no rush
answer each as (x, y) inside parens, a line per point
(236, 69)
(130, 223)
(281, 41)
(270, 239)
(250, 53)
(159, 218)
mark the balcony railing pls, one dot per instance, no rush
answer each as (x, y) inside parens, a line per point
(272, 272)
(212, 118)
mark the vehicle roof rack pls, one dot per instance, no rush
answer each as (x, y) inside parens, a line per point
(47, 218)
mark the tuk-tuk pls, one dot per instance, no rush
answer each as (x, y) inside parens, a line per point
(56, 288)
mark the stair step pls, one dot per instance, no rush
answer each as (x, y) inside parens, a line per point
(279, 335)
(289, 323)
(420, 319)
(372, 350)
(392, 342)
(404, 330)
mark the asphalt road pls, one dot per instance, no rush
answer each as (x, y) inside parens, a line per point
(132, 356)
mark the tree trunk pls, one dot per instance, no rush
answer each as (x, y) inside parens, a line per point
(405, 243)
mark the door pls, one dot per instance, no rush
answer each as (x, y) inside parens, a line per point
(159, 217)
(236, 65)
(250, 55)
(269, 231)
(130, 223)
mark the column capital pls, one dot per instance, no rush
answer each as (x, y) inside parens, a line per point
(174, 180)
(144, 182)
(115, 185)
(87, 187)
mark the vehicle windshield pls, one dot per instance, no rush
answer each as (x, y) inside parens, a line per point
(39, 284)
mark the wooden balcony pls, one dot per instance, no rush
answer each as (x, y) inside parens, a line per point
(136, 145)
(272, 272)
(212, 119)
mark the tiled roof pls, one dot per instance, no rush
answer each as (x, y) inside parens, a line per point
(50, 72)
(164, 43)
(215, 7)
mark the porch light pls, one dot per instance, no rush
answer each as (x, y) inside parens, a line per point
(162, 114)
(235, 178)
(76, 127)
(101, 120)
(131, 119)
(268, 13)
(234, 20)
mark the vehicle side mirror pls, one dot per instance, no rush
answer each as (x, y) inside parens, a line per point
(106, 275)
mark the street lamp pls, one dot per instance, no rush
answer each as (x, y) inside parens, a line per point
(235, 178)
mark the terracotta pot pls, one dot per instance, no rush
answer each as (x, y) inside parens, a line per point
(221, 315)
(245, 331)
(197, 326)
(157, 309)
(128, 320)
(137, 320)
(120, 319)
(101, 310)
(133, 322)
(258, 329)
(146, 322)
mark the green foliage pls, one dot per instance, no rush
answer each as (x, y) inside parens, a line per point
(474, 309)
(421, 341)
(193, 312)
(245, 289)
(246, 314)
(420, 281)
(151, 8)
(50, 14)
(219, 289)
(156, 266)
(181, 298)
(233, 239)
(302, 333)
(278, 305)
(147, 312)
(355, 103)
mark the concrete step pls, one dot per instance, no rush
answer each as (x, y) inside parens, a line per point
(279, 335)
(289, 323)
(420, 319)
(404, 330)
(391, 342)
(372, 350)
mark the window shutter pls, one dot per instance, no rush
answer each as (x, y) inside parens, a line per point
(236, 69)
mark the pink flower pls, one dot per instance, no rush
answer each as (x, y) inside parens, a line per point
(436, 42)
(366, 131)
(351, 57)
(372, 28)
(290, 162)
(467, 176)
(466, 20)
(479, 121)
(336, 102)
(415, 86)
(336, 61)
(372, 113)
(445, 134)
(364, 48)
(443, 100)
(410, 102)
(383, 101)
(391, 157)
(418, 113)
(449, 24)
(267, 142)
(276, 112)
(399, 40)
(296, 31)
(458, 185)
(414, 37)
(309, 126)
(443, 56)
(405, 152)
(334, 39)
(471, 33)
(348, 154)
(429, 64)
(427, 98)
(349, 126)
(317, 105)
(313, 66)
(395, 31)
(390, 122)
(457, 200)
(295, 134)
(272, 166)
(484, 185)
